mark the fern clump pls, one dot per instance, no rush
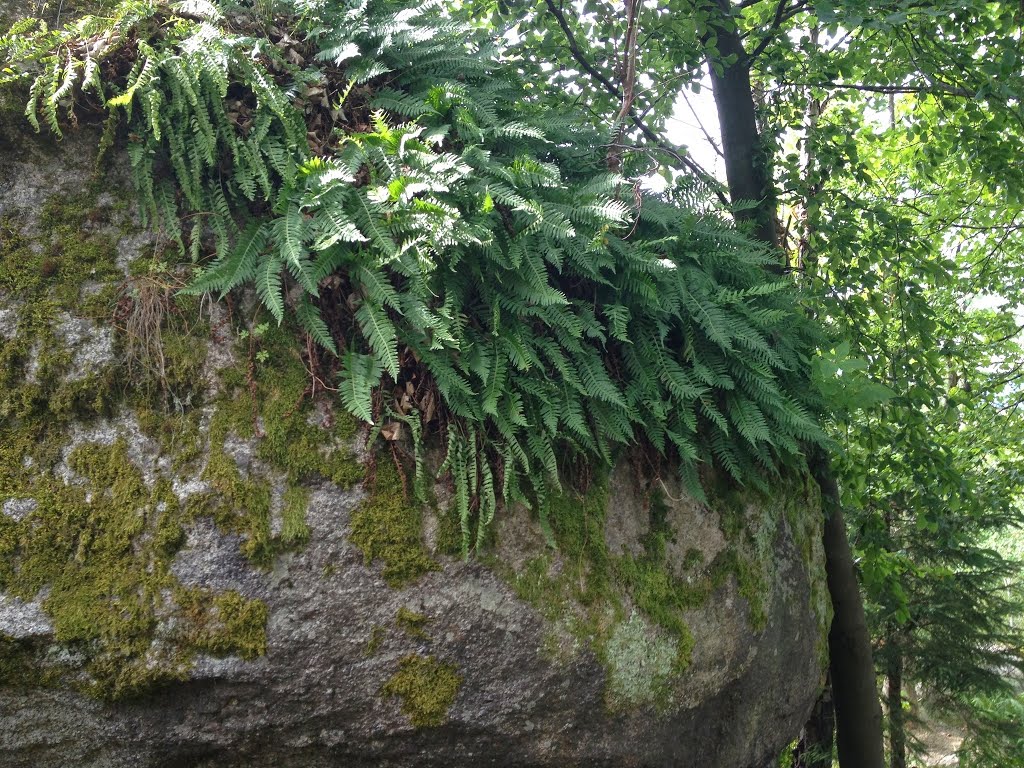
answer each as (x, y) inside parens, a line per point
(375, 169)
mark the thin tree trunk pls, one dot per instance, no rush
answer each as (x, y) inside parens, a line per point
(628, 75)
(857, 709)
(746, 162)
(897, 723)
(809, 205)
(858, 713)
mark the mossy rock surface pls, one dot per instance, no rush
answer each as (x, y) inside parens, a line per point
(192, 571)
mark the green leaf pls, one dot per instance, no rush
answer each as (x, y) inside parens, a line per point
(358, 377)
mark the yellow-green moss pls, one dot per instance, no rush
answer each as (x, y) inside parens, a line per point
(70, 253)
(388, 527)
(96, 547)
(19, 667)
(751, 520)
(412, 623)
(268, 405)
(100, 548)
(294, 530)
(222, 623)
(449, 530)
(289, 438)
(587, 591)
(427, 688)
(47, 275)
(375, 640)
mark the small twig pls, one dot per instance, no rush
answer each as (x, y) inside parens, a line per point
(676, 153)
(628, 84)
(769, 34)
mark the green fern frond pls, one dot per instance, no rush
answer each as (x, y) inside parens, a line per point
(551, 308)
(313, 323)
(358, 377)
(268, 286)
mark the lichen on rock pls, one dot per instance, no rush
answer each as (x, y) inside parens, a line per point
(641, 663)
(104, 412)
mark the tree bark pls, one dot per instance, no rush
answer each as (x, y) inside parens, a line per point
(746, 161)
(897, 723)
(628, 70)
(858, 713)
(857, 710)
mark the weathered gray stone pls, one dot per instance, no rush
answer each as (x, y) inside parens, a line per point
(533, 690)
(16, 509)
(21, 620)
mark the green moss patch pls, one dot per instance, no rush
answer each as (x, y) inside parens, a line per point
(412, 623)
(802, 512)
(427, 688)
(587, 590)
(74, 251)
(267, 403)
(593, 586)
(223, 624)
(100, 549)
(94, 539)
(388, 527)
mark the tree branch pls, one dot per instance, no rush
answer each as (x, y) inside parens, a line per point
(769, 33)
(577, 52)
(676, 153)
(700, 124)
(628, 84)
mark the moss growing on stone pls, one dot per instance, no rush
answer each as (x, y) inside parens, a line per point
(294, 530)
(412, 623)
(389, 527)
(71, 252)
(91, 536)
(100, 547)
(375, 641)
(19, 667)
(268, 408)
(427, 688)
(587, 590)
(802, 513)
(449, 530)
(593, 586)
(223, 624)
(537, 585)
(269, 400)
(751, 524)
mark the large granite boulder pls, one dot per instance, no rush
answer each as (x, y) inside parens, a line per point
(201, 564)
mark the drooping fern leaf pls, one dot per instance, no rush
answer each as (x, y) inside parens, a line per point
(359, 375)
(477, 245)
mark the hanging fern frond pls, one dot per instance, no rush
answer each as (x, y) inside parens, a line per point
(478, 244)
(359, 376)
